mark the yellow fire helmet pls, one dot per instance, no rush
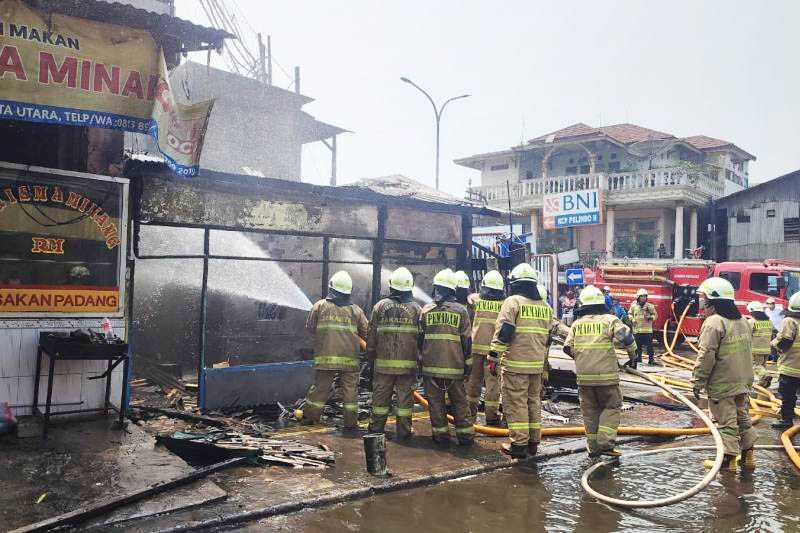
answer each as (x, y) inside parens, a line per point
(401, 280)
(341, 282)
(755, 306)
(794, 303)
(462, 280)
(542, 290)
(493, 280)
(445, 278)
(716, 289)
(523, 272)
(591, 295)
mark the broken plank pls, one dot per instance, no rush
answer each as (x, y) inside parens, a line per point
(175, 413)
(84, 513)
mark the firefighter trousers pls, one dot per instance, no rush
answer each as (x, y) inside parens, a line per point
(320, 391)
(787, 388)
(601, 408)
(644, 341)
(733, 421)
(435, 391)
(383, 385)
(479, 374)
(522, 407)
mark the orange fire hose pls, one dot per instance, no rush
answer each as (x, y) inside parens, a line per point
(786, 440)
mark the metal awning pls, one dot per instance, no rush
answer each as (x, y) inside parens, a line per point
(192, 36)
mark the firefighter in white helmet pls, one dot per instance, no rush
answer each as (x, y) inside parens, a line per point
(486, 307)
(643, 314)
(337, 324)
(761, 327)
(463, 285)
(444, 340)
(590, 342)
(724, 369)
(523, 332)
(787, 343)
(392, 348)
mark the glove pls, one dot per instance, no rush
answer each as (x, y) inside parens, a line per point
(492, 368)
(696, 390)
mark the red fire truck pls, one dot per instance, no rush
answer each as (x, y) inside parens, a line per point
(672, 285)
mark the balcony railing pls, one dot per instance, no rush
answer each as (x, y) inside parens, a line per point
(655, 180)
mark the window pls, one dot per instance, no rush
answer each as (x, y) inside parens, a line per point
(613, 166)
(529, 174)
(571, 160)
(613, 155)
(770, 213)
(571, 170)
(742, 217)
(584, 169)
(791, 229)
(61, 243)
(504, 166)
(764, 283)
(735, 278)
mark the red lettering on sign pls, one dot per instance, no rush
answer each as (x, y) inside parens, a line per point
(133, 86)
(11, 62)
(47, 245)
(48, 68)
(58, 195)
(10, 195)
(102, 77)
(86, 74)
(24, 193)
(73, 199)
(40, 193)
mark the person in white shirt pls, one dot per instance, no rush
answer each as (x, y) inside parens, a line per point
(774, 312)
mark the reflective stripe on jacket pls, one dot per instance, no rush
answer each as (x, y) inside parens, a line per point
(762, 336)
(642, 317)
(336, 331)
(592, 339)
(789, 361)
(392, 337)
(534, 327)
(486, 312)
(446, 329)
(724, 365)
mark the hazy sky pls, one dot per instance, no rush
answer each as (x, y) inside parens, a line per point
(727, 69)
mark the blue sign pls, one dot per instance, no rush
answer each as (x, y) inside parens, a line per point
(583, 219)
(574, 276)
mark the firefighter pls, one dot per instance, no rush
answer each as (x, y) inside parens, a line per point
(761, 328)
(522, 336)
(487, 306)
(643, 314)
(392, 348)
(336, 324)
(444, 341)
(724, 368)
(608, 300)
(462, 287)
(590, 342)
(787, 343)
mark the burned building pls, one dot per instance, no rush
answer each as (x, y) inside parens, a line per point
(228, 266)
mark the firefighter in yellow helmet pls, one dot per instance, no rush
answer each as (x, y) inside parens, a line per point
(392, 348)
(444, 341)
(590, 342)
(787, 343)
(486, 306)
(761, 328)
(336, 324)
(463, 285)
(523, 332)
(724, 368)
(642, 314)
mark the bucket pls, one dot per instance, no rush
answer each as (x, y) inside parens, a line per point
(375, 453)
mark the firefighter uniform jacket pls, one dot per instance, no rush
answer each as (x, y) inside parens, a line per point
(789, 361)
(592, 339)
(762, 335)
(392, 337)
(445, 329)
(724, 365)
(642, 317)
(336, 330)
(486, 312)
(534, 328)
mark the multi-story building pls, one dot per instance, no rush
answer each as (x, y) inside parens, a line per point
(651, 187)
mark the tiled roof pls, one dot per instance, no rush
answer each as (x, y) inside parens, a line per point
(576, 130)
(631, 133)
(703, 142)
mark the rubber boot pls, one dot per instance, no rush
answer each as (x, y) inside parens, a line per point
(729, 463)
(496, 423)
(782, 425)
(515, 451)
(466, 441)
(442, 443)
(533, 447)
(748, 461)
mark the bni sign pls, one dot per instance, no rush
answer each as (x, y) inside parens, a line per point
(577, 208)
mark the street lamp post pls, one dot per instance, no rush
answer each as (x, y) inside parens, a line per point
(438, 114)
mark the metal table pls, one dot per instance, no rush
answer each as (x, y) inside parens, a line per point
(113, 353)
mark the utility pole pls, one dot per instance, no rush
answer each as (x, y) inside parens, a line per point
(262, 59)
(269, 60)
(438, 114)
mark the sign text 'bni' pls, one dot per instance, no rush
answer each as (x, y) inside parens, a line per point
(576, 208)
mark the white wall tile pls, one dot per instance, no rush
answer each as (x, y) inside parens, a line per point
(9, 353)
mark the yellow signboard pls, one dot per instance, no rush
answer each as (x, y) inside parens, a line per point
(58, 299)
